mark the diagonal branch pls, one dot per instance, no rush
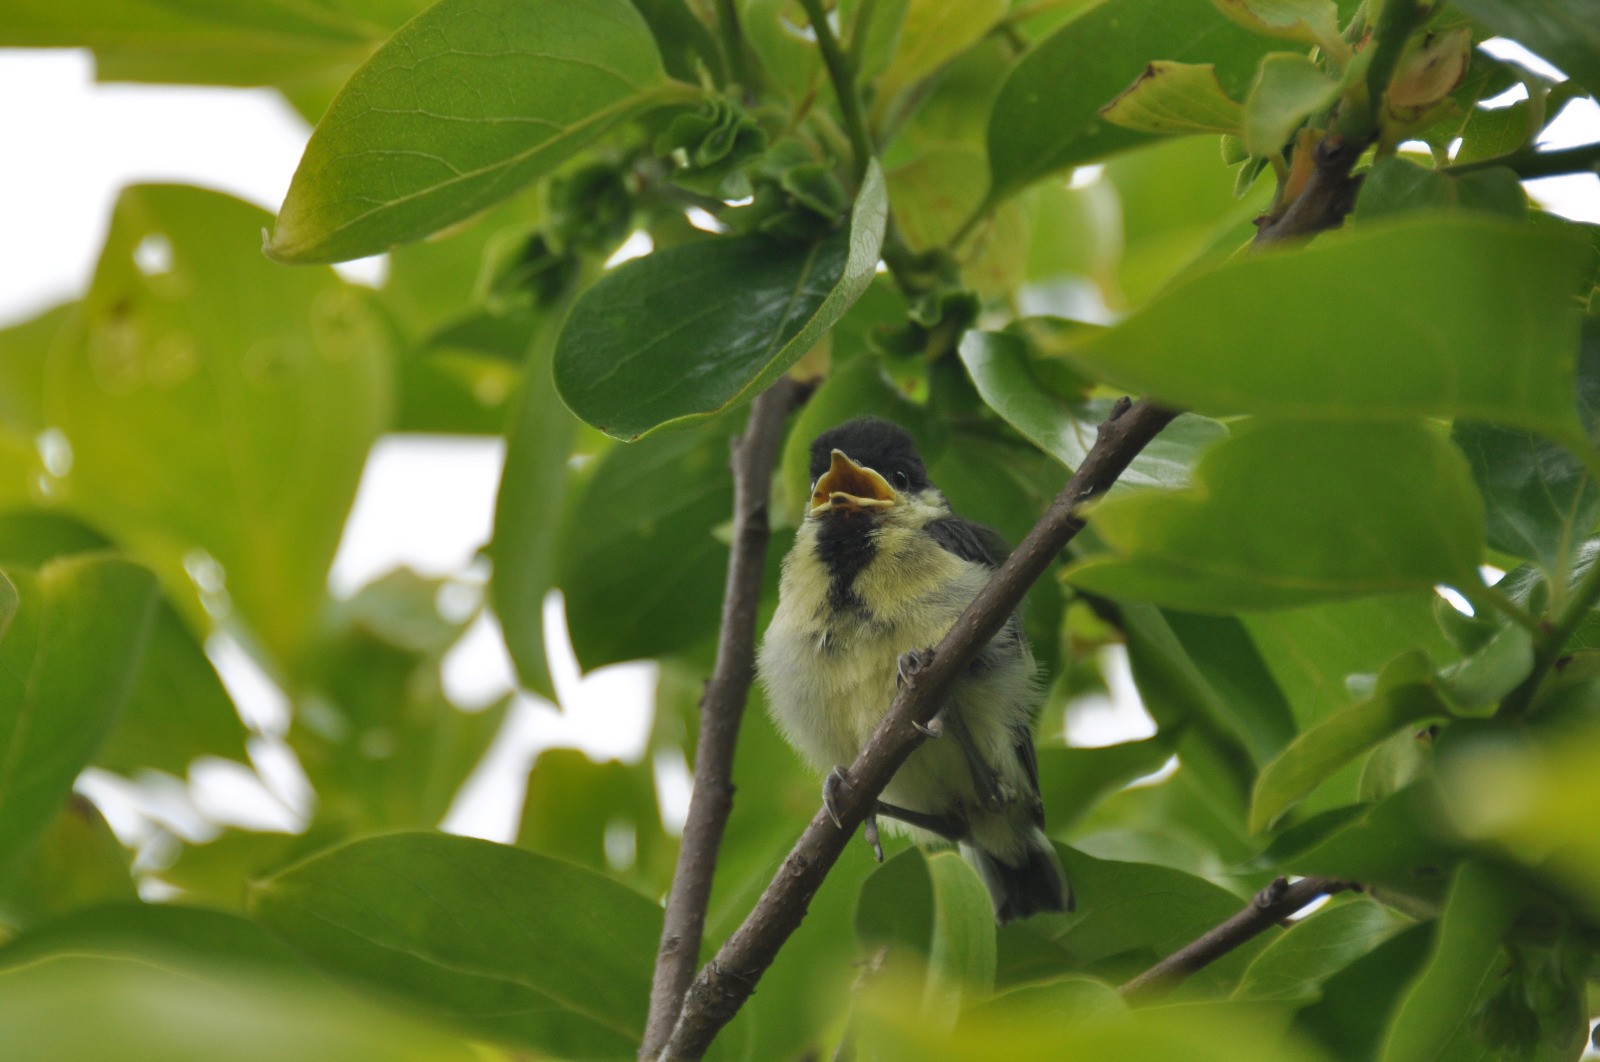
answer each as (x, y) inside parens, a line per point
(727, 980)
(721, 709)
(1270, 906)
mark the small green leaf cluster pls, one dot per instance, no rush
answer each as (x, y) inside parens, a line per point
(907, 219)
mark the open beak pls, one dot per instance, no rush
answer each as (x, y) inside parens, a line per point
(850, 487)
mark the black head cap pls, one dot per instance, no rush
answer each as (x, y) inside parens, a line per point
(881, 445)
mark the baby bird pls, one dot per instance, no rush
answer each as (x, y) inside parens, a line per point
(880, 570)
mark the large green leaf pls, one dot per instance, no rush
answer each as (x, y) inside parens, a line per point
(215, 402)
(1292, 512)
(1540, 502)
(1566, 32)
(1403, 696)
(686, 332)
(533, 487)
(1047, 115)
(1437, 1013)
(999, 367)
(518, 948)
(67, 662)
(77, 863)
(1293, 966)
(1460, 316)
(636, 553)
(935, 905)
(1073, 780)
(467, 103)
(1351, 1017)
(1399, 844)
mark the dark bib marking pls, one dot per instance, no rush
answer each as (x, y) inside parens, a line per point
(845, 546)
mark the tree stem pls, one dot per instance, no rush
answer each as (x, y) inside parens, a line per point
(1271, 905)
(843, 77)
(721, 709)
(1531, 162)
(1553, 639)
(727, 980)
(733, 42)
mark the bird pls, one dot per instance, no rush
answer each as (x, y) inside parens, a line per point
(880, 569)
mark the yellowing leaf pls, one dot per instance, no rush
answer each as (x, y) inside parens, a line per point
(1288, 89)
(1175, 98)
(1308, 21)
(1431, 68)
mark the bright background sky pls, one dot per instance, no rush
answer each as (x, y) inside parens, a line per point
(425, 501)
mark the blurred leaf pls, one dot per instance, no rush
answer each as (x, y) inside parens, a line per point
(178, 935)
(1289, 513)
(1175, 99)
(574, 806)
(685, 333)
(218, 873)
(1306, 21)
(1293, 967)
(1397, 186)
(24, 349)
(1402, 843)
(1225, 655)
(1288, 89)
(533, 488)
(998, 365)
(1073, 780)
(1497, 668)
(1489, 134)
(683, 40)
(896, 904)
(934, 905)
(1351, 1017)
(77, 863)
(1129, 916)
(1399, 700)
(518, 948)
(1563, 31)
(1540, 501)
(788, 58)
(932, 33)
(67, 661)
(470, 101)
(636, 555)
(221, 404)
(1434, 1019)
(1047, 115)
(1064, 1000)
(1480, 328)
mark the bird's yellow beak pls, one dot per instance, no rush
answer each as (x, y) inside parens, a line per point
(850, 487)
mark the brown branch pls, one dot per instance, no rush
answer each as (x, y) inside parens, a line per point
(721, 709)
(727, 980)
(1329, 193)
(1270, 906)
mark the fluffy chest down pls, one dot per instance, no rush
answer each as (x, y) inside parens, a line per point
(846, 612)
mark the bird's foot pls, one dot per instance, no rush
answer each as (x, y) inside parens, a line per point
(911, 661)
(870, 830)
(831, 785)
(933, 729)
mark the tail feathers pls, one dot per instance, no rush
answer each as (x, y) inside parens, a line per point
(1035, 883)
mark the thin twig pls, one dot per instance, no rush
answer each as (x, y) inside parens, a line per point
(1547, 648)
(1270, 906)
(721, 709)
(727, 980)
(843, 77)
(1531, 162)
(733, 43)
(1329, 193)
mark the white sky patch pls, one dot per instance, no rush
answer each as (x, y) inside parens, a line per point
(1084, 176)
(704, 220)
(637, 245)
(1457, 602)
(674, 787)
(1512, 52)
(477, 670)
(1098, 719)
(231, 794)
(370, 272)
(83, 141)
(260, 701)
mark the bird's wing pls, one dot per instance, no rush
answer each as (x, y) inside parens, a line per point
(1029, 759)
(969, 540)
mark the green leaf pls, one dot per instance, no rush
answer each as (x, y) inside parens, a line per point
(935, 907)
(642, 530)
(1460, 316)
(1397, 185)
(932, 33)
(1288, 89)
(1289, 513)
(517, 948)
(464, 105)
(1539, 499)
(1353, 1013)
(1400, 700)
(1073, 780)
(1489, 134)
(1228, 659)
(1436, 1013)
(533, 486)
(163, 983)
(1047, 115)
(685, 333)
(77, 863)
(1173, 99)
(1293, 967)
(1497, 668)
(1566, 32)
(67, 662)
(1306, 21)
(683, 40)
(998, 364)
(1397, 845)
(222, 404)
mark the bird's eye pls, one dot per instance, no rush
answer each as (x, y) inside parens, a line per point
(901, 480)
